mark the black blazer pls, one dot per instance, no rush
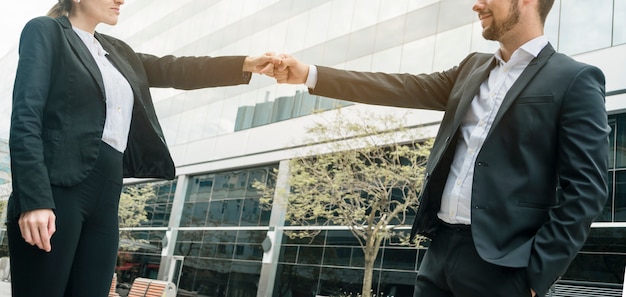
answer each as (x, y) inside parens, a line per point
(59, 108)
(550, 132)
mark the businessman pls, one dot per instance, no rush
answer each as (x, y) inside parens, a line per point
(518, 170)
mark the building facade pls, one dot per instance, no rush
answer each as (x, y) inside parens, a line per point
(206, 230)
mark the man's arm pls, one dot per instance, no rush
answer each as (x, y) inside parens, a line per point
(582, 172)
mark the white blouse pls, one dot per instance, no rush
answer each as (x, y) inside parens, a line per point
(119, 95)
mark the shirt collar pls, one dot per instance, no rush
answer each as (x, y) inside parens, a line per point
(532, 48)
(91, 42)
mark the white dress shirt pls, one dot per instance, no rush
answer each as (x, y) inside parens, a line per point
(119, 95)
(457, 194)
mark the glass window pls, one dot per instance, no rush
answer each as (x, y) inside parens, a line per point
(607, 212)
(620, 141)
(251, 212)
(304, 103)
(185, 220)
(199, 214)
(337, 256)
(263, 111)
(239, 181)
(387, 60)
(232, 212)
(613, 126)
(620, 196)
(551, 29)
(310, 255)
(400, 258)
(452, 46)
(215, 214)
(619, 22)
(585, 25)
(417, 56)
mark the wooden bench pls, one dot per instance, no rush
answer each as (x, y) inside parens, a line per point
(145, 287)
(112, 292)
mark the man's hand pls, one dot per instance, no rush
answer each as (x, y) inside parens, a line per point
(264, 64)
(37, 227)
(291, 71)
(532, 293)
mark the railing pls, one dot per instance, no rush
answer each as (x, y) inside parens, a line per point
(585, 289)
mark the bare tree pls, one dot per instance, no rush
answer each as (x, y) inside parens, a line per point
(363, 173)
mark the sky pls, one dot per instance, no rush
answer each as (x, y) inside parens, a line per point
(14, 17)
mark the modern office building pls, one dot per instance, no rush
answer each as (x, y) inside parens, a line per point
(206, 229)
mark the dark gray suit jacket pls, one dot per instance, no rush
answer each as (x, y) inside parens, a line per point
(59, 108)
(550, 132)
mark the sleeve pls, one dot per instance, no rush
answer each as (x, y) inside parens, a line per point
(189, 73)
(582, 170)
(31, 183)
(421, 91)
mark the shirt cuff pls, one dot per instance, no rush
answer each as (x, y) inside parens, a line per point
(311, 80)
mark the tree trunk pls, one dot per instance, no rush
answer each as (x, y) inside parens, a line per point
(372, 245)
(366, 291)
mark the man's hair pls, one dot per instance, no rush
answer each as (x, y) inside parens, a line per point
(544, 8)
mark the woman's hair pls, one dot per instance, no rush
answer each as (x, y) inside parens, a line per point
(61, 8)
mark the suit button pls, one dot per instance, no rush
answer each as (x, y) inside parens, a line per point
(479, 164)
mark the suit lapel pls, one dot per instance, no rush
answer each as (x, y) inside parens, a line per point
(470, 89)
(83, 53)
(520, 84)
(120, 63)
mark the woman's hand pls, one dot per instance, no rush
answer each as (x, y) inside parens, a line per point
(37, 227)
(262, 64)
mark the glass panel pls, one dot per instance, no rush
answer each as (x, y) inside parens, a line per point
(297, 280)
(619, 22)
(232, 212)
(243, 279)
(620, 142)
(345, 238)
(613, 126)
(263, 111)
(224, 251)
(204, 185)
(199, 214)
(396, 283)
(342, 282)
(600, 267)
(219, 236)
(607, 212)
(620, 196)
(400, 258)
(337, 256)
(289, 254)
(251, 212)
(215, 213)
(239, 181)
(185, 220)
(221, 186)
(259, 175)
(310, 255)
(585, 25)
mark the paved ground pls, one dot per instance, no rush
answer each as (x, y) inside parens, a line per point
(5, 289)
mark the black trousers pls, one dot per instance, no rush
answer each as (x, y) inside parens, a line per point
(453, 268)
(85, 244)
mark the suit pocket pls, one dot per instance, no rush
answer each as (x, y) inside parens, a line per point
(51, 145)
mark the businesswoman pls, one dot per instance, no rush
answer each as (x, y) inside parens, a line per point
(82, 120)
